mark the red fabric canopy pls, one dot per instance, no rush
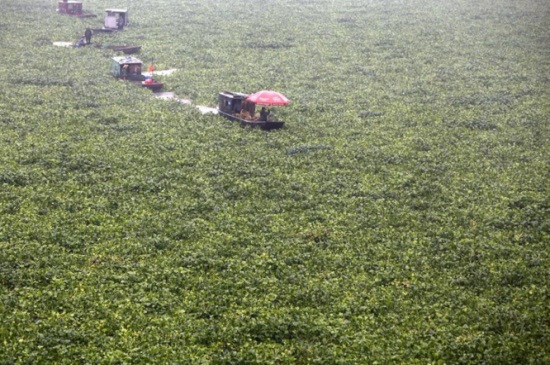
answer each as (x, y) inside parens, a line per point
(269, 98)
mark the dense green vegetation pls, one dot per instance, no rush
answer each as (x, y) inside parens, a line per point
(402, 216)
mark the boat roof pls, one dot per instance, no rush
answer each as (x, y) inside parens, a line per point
(116, 10)
(122, 60)
(233, 95)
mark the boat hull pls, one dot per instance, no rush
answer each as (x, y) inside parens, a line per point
(265, 125)
(155, 86)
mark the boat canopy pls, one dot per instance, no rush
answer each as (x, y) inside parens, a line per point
(133, 63)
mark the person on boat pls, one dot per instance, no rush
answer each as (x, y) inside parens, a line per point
(120, 22)
(264, 113)
(124, 72)
(81, 42)
(88, 35)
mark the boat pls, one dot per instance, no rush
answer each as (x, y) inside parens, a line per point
(152, 84)
(124, 49)
(73, 8)
(235, 107)
(129, 68)
(127, 49)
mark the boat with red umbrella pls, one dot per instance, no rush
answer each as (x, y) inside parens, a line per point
(242, 108)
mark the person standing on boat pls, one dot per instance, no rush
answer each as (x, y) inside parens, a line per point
(120, 22)
(88, 35)
(124, 72)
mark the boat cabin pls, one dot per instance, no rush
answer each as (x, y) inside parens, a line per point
(234, 103)
(70, 7)
(116, 18)
(127, 67)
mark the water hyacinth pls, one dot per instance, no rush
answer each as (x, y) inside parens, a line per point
(400, 216)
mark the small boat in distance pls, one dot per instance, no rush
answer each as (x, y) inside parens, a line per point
(73, 8)
(124, 49)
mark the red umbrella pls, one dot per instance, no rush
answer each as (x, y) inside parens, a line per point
(269, 98)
